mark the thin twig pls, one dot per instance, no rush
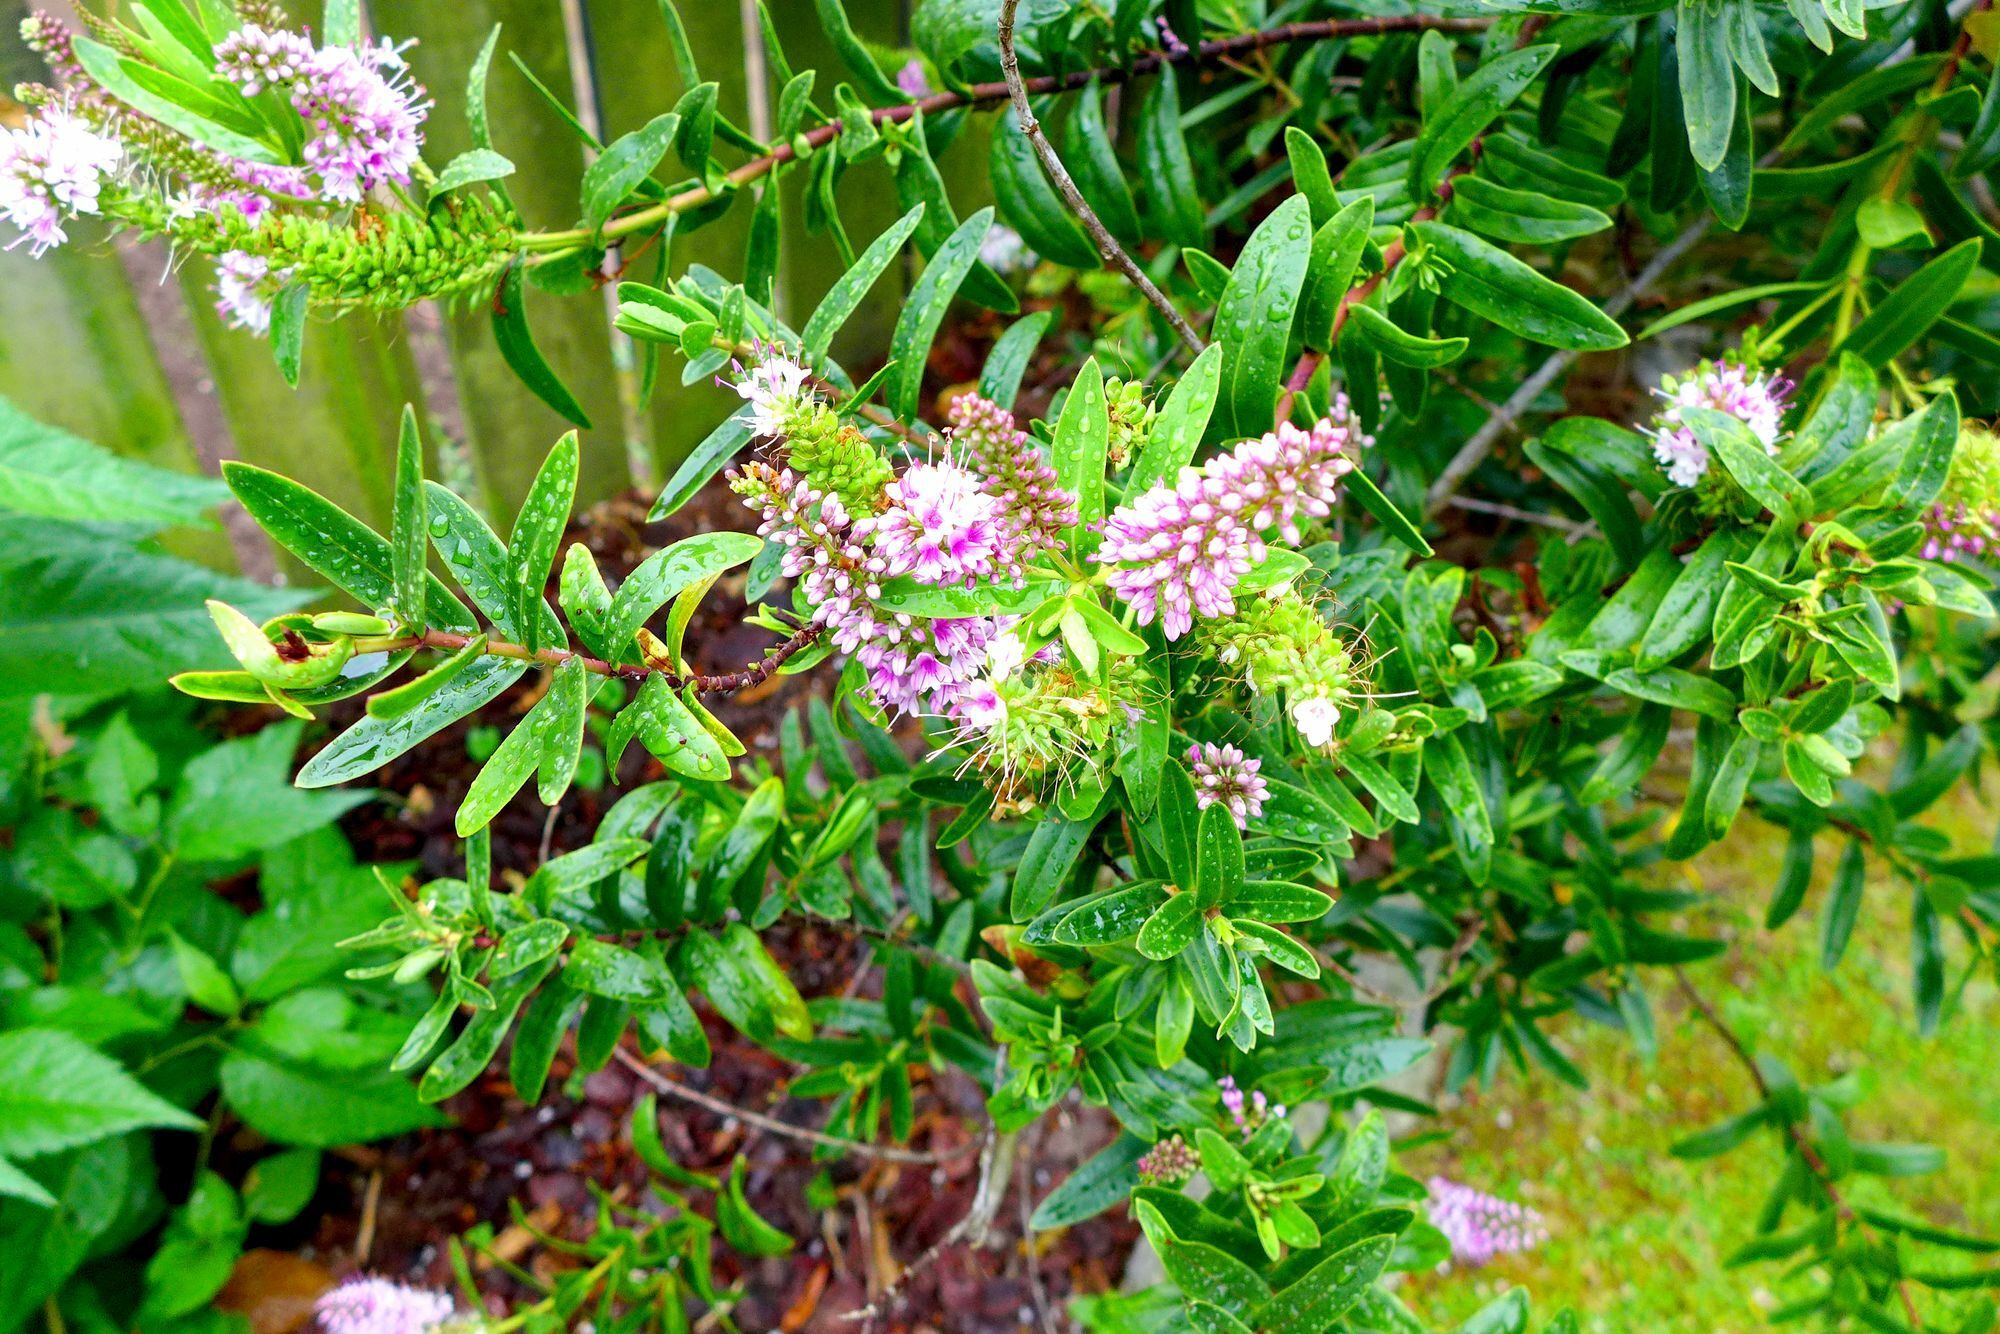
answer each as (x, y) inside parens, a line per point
(1570, 526)
(1036, 1290)
(885, 1152)
(996, 1164)
(755, 674)
(1107, 245)
(984, 94)
(1807, 1152)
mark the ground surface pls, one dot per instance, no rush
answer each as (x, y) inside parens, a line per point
(1640, 1238)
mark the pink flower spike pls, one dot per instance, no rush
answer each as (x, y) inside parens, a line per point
(1178, 551)
(1481, 1226)
(379, 1306)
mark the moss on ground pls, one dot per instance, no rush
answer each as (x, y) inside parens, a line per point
(1640, 1238)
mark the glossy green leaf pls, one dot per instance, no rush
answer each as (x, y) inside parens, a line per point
(523, 357)
(1493, 284)
(1253, 321)
(924, 311)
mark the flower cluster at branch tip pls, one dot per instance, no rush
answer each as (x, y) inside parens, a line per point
(346, 119)
(1280, 642)
(1964, 521)
(941, 527)
(1224, 776)
(379, 1306)
(364, 118)
(1481, 1226)
(774, 387)
(1171, 1162)
(1743, 392)
(1034, 508)
(52, 169)
(1247, 1113)
(1178, 551)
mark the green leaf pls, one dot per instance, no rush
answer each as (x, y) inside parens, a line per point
(1253, 321)
(1082, 436)
(625, 162)
(1721, 1138)
(1202, 1272)
(1401, 347)
(854, 54)
(1172, 197)
(1363, 488)
(1520, 216)
(19, 1185)
(409, 529)
(237, 798)
(1179, 427)
(1336, 255)
(1090, 150)
(1707, 79)
(1046, 863)
(924, 310)
(1915, 304)
(469, 168)
(702, 463)
(846, 293)
(61, 1093)
(665, 573)
(1601, 494)
(1843, 906)
(50, 474)
(1676, 689)
(1110, 917)
(1028, 203)
(1103, 1180)
(523, 357)
(746, 985)
(1478, 101)
(1218, 857)
(465, 1059)
(81, 613)
(560, 736)
(373, 742)
(1172, 928)
(602, 969)
(1466, 816)
(1742, 296)
(334, 544)
(1493, 284)
(1687, 611)
(299, 1104)
(1314, 1301)
(288, 330)
(670, 731)
(1000, 381)
(538, 530)
(1750, 463)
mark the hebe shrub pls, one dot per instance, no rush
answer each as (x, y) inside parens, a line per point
(1260, 700)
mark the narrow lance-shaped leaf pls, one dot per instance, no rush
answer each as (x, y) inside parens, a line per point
(538, 530)
(909, 345)
(409, 527)
(523, 357)
(1493, 284)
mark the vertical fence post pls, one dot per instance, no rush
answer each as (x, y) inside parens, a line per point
(508, 430)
